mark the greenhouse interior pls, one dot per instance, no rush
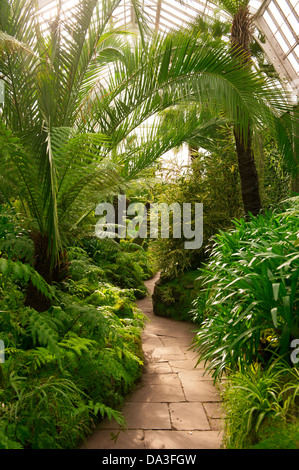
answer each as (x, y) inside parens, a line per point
(149, 229)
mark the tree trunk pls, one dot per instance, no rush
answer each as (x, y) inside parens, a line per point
(42, 264)
(240, 40)
(248, 174)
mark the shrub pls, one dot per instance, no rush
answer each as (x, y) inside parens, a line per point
(249, 305)
(258, 402)
(212, 179)
(174, 298)
(69, 366)
(125, 264)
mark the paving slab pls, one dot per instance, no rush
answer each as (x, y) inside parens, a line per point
(188, 416)
(175, 405)
(103, 439)
(185, 364)
(191, 375)
(182, 439)
(176, 341)
(200, 390)
(142, 416)
(163, 354)
(161, 379)
(158, 393)
(157, 368)
(214, 410)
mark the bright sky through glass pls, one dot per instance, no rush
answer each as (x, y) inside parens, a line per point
(278, 20)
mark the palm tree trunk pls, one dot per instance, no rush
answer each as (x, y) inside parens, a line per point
(248, 174)
(240, 40)
(43, 265)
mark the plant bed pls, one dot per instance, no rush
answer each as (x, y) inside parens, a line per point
(174, 298)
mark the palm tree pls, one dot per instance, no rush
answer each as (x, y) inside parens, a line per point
(69, 116)
(241, 38)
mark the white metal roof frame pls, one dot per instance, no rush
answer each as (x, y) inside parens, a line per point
(277, 20)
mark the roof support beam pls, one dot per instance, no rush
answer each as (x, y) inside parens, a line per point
(133, 15)
(276, 56)
(262, 9)
(158, 14)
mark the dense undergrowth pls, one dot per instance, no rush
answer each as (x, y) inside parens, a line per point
(247, 312)
(174, 299)
(68, 367)
(73, 136)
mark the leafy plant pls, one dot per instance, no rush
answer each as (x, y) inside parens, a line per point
(24, 273)
(258, 399)
(126, 266)
(250, 285)
(211, 179)
(69, 366)
(174, 298)
(66, 137)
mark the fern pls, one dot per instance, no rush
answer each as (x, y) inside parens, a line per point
(20, 247)
(6, 442)
(76, 344)
(44, 332)
(105, 410)
(24, 272)
(40, 357)
(85, 320)
(72, 363)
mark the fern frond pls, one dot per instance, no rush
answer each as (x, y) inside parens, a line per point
(105, 410)
(44, 332)
(24, 272)
(40, 357)
(76, 344)
(22, 247)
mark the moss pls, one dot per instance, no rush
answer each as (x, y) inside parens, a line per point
(278, 436)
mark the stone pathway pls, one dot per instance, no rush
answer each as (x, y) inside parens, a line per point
(174, 406)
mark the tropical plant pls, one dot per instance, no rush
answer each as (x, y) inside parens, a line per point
(256, 400)
(241, 39)
(250, 308)
(69, 366)
(212, 179)
(66, 135)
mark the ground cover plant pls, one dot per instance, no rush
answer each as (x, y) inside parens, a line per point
(255, 304)
(174, 298)
(126, 264)
(69, 366)
(248, 316)
(68, 141)
(262, 407)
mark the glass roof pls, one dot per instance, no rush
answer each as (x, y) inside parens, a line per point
(277, 20)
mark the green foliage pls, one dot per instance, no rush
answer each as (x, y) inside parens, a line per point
(64, 146)
(258, 402)
(250, 293)
(14, 240)
(71, 365)
(273, 175)
(211, 179)
(278, 435)
(23, 273)
(174, 298)
(40, 409)
(233, 6)
(125, 265)
(6, 442)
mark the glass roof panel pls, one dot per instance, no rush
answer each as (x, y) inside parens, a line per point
(277, 20)
(276, 14)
